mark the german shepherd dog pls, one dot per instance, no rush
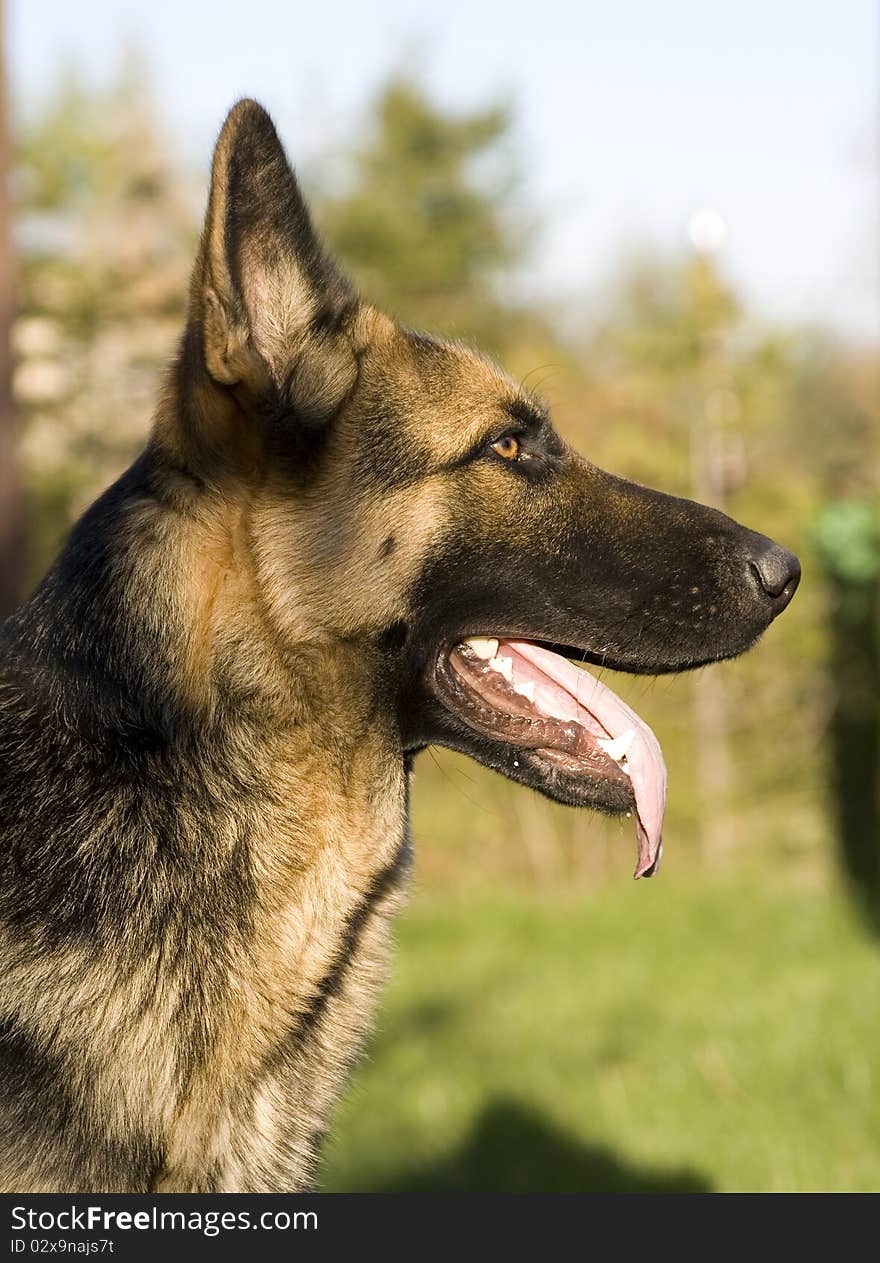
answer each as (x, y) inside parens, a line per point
(343, 542)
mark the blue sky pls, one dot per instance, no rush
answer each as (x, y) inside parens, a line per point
(630, 115)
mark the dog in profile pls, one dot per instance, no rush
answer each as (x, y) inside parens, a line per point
(343, 542)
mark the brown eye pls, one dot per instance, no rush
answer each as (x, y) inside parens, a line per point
(508, 447)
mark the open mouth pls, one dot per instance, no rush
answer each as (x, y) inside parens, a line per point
(521, 694)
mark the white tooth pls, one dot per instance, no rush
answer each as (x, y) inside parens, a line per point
(502, 665)
(617, 747)
(483, 648)
(526, 690)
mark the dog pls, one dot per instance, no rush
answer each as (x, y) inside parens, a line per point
(343, 542)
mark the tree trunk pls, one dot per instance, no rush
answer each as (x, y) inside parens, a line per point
(11, 527)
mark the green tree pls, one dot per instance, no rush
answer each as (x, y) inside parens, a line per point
(106, 229)
(840, 428)
(421, 220)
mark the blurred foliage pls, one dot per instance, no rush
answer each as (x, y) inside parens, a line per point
(677, 386)
(107, 230)
(422, 219)
(847, 532)
(848, 539)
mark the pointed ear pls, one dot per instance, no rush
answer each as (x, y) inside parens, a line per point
(270, 308)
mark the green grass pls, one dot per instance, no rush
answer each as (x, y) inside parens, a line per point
(647, 1037)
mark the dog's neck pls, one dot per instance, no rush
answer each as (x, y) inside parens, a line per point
(272, 786)
(206, 654)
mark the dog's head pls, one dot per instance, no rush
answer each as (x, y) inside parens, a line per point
(406, 500)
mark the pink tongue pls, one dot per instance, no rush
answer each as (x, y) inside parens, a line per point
(644, 759)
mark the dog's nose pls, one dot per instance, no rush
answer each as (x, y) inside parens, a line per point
(777, 571)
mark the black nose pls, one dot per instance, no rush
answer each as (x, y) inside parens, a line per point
(777, 570)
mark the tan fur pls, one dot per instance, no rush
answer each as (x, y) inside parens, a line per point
(255, 602)
(209, 707)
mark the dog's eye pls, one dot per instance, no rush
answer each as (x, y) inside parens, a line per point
(508, 447)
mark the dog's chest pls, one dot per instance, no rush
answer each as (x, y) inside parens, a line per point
(300, 1002)
(304, 1075)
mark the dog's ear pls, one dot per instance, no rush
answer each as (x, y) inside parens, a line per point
(269, 310)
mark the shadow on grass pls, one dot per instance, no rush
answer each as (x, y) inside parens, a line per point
(513, 1150)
